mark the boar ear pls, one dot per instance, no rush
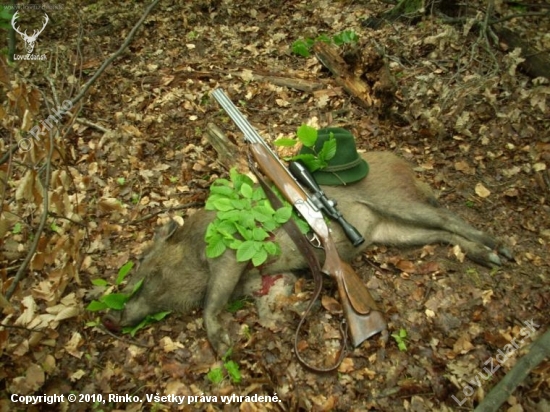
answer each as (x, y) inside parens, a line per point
(166, 232)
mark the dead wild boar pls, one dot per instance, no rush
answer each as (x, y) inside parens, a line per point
(389, 207)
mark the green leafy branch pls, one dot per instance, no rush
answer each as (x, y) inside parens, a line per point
(117, 301)
(245, 220)
(307, 135)
(303, 47)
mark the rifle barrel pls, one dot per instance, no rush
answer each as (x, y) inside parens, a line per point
(225, 102)
(252, 136)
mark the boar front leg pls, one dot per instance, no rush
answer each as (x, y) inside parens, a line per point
(225, 273)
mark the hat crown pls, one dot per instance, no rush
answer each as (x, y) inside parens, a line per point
(346, 166)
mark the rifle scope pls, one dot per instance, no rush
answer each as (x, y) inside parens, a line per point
(321, 200)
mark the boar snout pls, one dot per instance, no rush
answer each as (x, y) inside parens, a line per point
(111, 322)
(133, 313)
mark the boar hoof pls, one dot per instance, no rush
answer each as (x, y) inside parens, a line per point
(219, 338)
(494, 259)
(504, 251)
(220, 341)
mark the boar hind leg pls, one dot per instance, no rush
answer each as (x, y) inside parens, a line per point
(225, 276)
(402, 235)
(448, 221)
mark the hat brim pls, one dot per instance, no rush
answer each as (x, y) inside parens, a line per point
(343, 177)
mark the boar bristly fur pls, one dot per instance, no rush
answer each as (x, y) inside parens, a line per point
(389, 207)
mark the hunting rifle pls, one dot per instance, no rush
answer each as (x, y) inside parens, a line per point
(363, 316)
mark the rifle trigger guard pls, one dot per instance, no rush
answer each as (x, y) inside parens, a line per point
(314, 240)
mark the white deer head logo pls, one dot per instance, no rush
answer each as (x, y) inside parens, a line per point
(29, 40)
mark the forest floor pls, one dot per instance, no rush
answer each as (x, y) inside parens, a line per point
(474, 127)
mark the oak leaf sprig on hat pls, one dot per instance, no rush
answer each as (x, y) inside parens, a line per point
(307, 136)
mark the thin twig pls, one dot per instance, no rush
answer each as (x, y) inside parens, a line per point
(8, 154)
(43, 219)
(519, 16)
(151, 215)
(91, 124)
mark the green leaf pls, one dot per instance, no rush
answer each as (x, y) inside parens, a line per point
(349, 36)
(307, 135)
(226, 228)
(211, 229)
(17, 228)
(329, 149)
(247, 250)
(264, 209)
(241, 208)
(300, 48)
(246, 191)
(234, 243)
(222, 204)
(285, 142)
(239, 179)
(137, 286)
(282, 214)
(234, 175)
(215, 375)
(345, 37)
(159, 316)
(235, 305)
(132, 330)
(115, 301)
(241, 204)
(302, 224)
(324, 38)
(247, 220)
(272, 248)
(215, 247)
(100, 282)
(270, 225)
(260, 216)
(230, 215)
(245, 232)
(96, 306)
(258, 234)
(233, 370)
(309, 160)
(123, 271)
(258, 194)
(260, 257)
(221, 182)
(221, 190)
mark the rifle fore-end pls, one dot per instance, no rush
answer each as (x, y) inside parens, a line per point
(276, 173)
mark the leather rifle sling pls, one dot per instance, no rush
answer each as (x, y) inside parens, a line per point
(307, 250)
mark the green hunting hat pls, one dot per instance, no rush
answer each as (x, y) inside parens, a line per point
(346, 166)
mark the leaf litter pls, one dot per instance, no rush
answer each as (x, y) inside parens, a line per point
(139, 157)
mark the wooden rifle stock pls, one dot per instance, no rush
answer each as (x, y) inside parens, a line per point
(363, 316)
